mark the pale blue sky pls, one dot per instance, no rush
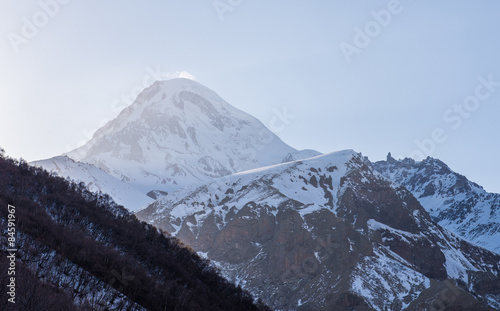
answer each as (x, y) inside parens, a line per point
(264, 56)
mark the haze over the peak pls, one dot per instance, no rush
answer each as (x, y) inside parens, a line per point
(398, 84)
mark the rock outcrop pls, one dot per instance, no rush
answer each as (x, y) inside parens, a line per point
(329, 233)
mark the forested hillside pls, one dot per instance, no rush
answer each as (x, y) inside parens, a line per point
(80, 250)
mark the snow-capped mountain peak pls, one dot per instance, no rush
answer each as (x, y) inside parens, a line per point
(177, 133)
(174, 101)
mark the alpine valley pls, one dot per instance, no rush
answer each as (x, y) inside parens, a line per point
(299, 230)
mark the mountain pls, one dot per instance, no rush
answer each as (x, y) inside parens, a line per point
(297, 229)
(176, 133)
(67, 248)
(457, 204)
(96, 180)
(329, 233)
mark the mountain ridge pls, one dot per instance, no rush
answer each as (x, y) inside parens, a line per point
(177, 132)
(328, 232)
(198, 134)
(299, 229)
(77, 250)
(460, 205)
(96, 180)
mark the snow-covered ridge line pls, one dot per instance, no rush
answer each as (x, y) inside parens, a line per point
(321, 227)
(456, 203)
(288, 179)
(333, 157)
(96, 180)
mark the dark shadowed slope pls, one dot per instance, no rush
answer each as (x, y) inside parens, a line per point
(80, 250)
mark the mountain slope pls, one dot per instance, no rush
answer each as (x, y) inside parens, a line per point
(329, 233)
(96, 180)
(178, 132)
(461, 206)
(75, 250)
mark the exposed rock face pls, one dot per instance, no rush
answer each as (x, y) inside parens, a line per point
(328, 233)
(457, 204)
